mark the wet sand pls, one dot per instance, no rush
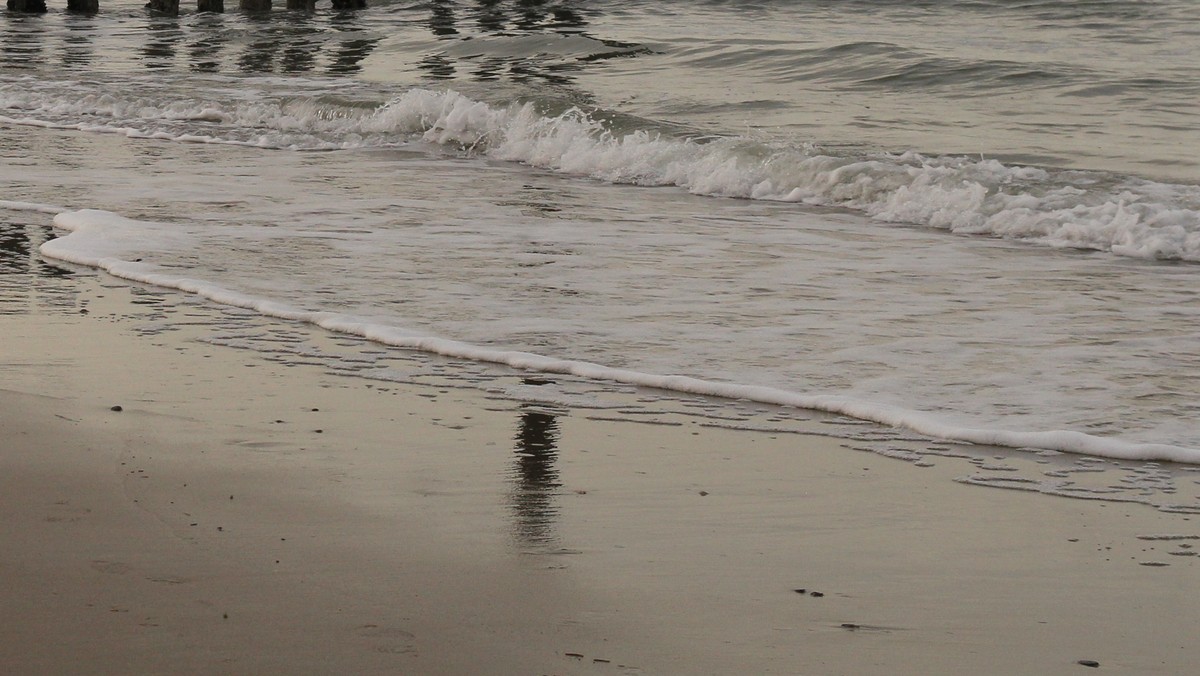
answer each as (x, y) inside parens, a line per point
(245, 516)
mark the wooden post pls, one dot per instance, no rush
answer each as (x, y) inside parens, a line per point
(30, 6)
(210, 6)
(255, 5)
(84, 6)
(168, 7)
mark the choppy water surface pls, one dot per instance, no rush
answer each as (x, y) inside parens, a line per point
(977, 220)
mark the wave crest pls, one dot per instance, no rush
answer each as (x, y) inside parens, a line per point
(1064, 209)
(1057, 208)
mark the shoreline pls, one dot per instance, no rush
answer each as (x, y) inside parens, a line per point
(255, 516)
(923, 423)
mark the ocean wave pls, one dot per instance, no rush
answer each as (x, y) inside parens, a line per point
(104, 240)
(1125, 216)
(881, 66)
(1058, 208)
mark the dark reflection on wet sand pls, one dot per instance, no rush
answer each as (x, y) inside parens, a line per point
(27, 282)
(527, 41)
(259, 55)
(19, 250)
(163, 35)
(354, 43)
(209, 39)
(21, 45)
(281, 42)
(455, 22)
(77, 43)
(535, 478)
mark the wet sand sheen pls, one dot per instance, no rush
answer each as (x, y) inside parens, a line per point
(256, 517)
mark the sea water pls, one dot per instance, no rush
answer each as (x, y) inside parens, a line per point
(977, 221)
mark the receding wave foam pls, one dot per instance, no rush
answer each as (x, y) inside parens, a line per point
(100, 239)
(1062, 209)
(1057, 208)
(31, 206)
(305, 122)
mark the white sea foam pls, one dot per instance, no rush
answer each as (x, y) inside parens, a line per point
(1062, 209)
(101, 239)
(30, 206)
(958, 194)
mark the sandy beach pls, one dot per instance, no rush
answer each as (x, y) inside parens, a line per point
(172, 506)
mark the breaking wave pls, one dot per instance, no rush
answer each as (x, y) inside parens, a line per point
(1126, 216)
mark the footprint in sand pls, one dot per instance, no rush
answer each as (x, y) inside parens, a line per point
(391, 640)
(110, 567)
(63, 512)
(169, 579)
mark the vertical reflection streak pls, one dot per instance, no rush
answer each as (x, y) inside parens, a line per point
(535, 478)
(22, 42)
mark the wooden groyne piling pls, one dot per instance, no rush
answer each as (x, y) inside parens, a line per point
(34, 6)
(172, 6)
